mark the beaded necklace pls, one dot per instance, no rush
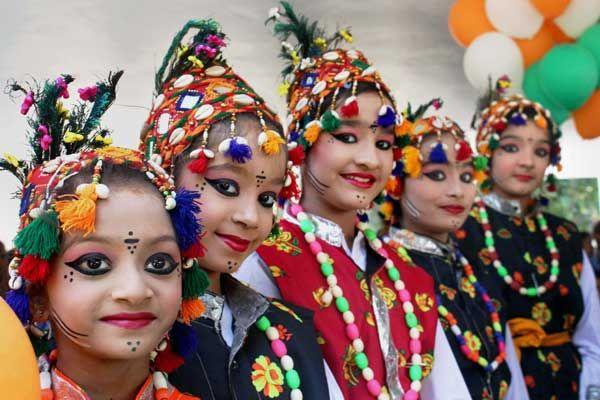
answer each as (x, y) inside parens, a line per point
(343, 306)
(501, 269)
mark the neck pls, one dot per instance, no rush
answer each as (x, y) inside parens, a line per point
(313, 203)
(523, 200)
(408, 224)
(102, 378)
(215, 281)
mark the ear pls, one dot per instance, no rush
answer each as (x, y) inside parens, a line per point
(39, 306)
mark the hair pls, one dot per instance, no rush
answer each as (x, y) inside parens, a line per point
(531, 112)
(345, 92)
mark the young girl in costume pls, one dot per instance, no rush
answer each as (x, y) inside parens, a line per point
(533, 256)
(214, 133)
(97, 278)
(430, 197)
(374, 313)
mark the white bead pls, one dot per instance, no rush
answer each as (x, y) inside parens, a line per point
(353, 54)
(368, 374)
(494, 365)
(327, 297)
(322, 257)
(14, 263)
(414, 333)
(102, 191)
(45, 380)
(331, 56)
(183, 81)
(81, 187)
(358, 345)
(416, 359)
(553, 278)
(369, 71)
(159, 380)
(153, 355)
(15, 282)
(170, 203)
(488, 234)
(310, 237)
(35, 212)
(408, 307)
(541, 289)
(319, 87)
(337, 291)
(156, 158)
(416, 386)
(523, 291)
(383, 396)
(497, 264)
(301, 104)
(376, 243)
(162, 345)
(224, 145)
(389, 264)
(296, 394)
(456, 330)
(272, 333)
(215, 70)
(332, 280)
(301, 216)
(508, 279)
(348, 317)
(158, 101)
(287, 362)
(399, 285)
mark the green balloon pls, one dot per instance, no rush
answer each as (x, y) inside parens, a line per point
(533, 91)
(568, 75)
(591, 41)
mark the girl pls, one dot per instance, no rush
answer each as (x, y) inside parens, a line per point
(97, 279)
(533, 256)
(430, 198)
(375, 315)
(215, 134)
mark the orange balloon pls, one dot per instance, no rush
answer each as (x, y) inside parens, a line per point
(558, 35)
(550, 9)
(19, 377)
(586, 117)
(467, 20)
(534, 49)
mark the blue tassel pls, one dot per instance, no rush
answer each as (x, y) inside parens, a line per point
(363, 217)
(294, 136)
(388, 118)
(238, 151)
(185, 218)
(398, 169)
(183, 339)
(517, 119)
(19, 302)
(438, 155)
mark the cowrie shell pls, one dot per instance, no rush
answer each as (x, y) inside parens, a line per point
(176, 136)
(183, 81)
(204, 112)
(215, 70)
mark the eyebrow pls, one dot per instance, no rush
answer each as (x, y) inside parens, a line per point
(227, 166)
(513, 137)
(107, 240)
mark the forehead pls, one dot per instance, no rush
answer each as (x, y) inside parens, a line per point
(528, 132)
(430, 140)
(271, 166)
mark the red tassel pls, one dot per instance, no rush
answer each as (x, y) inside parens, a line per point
(198, 165)
(297, 155)
(194, 251)
(167, 360)
(397, 153)
(291, 191)
(499, 126)
(350, 108)
(464, 151)
(34, 269)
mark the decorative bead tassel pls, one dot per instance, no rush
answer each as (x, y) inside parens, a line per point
(296, 155)
(463, 151)
(438, 154)
(185, 217)
(34, 269)
(198, 165)
(167, 360)
(79, 212)
(19, 302)
(386, 117)
(412, 161)
(238, 150)
(517, 119)
(311, 134)
(191, 309)
(195, 282)
(196, 250)
(183, 339)
(330, 121)
(40, 237)
(350, 107)
(270, 142)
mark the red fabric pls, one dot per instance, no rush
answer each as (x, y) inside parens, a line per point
(299, 279)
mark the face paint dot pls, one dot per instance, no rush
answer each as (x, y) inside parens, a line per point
(129, 343)
(71, 280)
(71, 273)
(65, 277)
(130, 233)
(137, 342)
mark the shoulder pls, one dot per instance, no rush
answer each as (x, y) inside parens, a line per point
(554, 221)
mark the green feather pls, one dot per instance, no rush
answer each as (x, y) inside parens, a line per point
(41, 237)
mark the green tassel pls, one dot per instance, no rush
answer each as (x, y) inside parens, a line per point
(41, 237)
(486, 185)
(480, 163)
(493, 143)
(195, 282)
(330, 121)
(402, 141)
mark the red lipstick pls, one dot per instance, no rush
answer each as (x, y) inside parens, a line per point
(453, 209)
(359, 179)
(236, 243)
(524, 177)
(129, 320)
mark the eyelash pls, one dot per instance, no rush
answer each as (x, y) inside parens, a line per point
(172, 264)
(349, 138)
(265, 199)
(465, 177)
(271, 197)
(78, 264)
(513, 148)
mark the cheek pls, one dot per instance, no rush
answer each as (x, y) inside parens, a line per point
(502, 163)
(64, 285)
(169, 296)
(326, 154)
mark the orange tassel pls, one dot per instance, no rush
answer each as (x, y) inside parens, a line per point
(161, 394)
(272, 143)
(405, 128)
(540, 121)
(191, 310)
(312, 132)
(47, 394)
(479, 176)
(391, 185)
(79, 212)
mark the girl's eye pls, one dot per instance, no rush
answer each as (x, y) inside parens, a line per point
(466, 177)
(267, 199)
(346, 137)
(91, 264)
(543, 153)
(226, 187)
(510, 148)
(160, 264)
(436, 175)
(383, 144)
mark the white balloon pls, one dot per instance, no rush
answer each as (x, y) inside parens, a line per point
(493, 54)
(578, 16)
(516, 18)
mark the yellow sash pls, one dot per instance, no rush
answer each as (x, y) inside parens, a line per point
(528, 333)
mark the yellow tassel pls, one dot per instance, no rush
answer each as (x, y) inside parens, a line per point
(273, 143)
(62, 111)
(386, 209)
(79, 212)
(412, 161)
(182, 49)
(72, 137)
(312, 132)
(295, 57)
(191, 310)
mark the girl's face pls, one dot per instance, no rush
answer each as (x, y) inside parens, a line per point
(519, 163)
(237, 202)
(346, 169)
(439, 200)
(116, 293)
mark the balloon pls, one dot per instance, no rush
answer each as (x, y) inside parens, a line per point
(19, 376)
(533, 49)
(568, 75)
(493, 54)
(579, 15)
(586, 117)
(533, 91)
(467, 20)
(558, 35)
(550, 9)
(591, 41)
(516, 18)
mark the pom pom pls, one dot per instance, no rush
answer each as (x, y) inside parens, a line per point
(313, 129)
(294, 136)
(195, 282)
(330, 121)
(499, 126)
(540, 121)
(272, 142)
(391, 186)
(196, 250)
(198, 165)
(185, 218)
(438, 154)
(40, 237)
(19, 302)
(297, 155)
(517, 119)
(386, 117)
(464, 151)
(386, 209)
(79, 212)
(291, 191)
(350, 107)
(398, 169)
(34, 269)
(239, 151)
(412, 161)
(480, 176)
(183, 339)
(191, 309)
(493, 143)
(480, 163)
(167, 360)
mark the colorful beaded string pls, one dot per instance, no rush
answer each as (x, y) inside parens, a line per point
(292, 378)
(449, 317)
(501, 269)
(343, 306)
